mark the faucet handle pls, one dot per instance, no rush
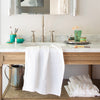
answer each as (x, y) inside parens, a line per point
(52, 35)
(52, 31)
(33, 36)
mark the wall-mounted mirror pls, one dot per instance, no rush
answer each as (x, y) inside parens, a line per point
(53, 7)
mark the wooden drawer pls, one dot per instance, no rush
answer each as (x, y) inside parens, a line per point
(82, 58)
(13, 58)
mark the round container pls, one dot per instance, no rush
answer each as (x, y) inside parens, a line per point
(83, 39)
(71, 38)
(20, 40)
(17, 72)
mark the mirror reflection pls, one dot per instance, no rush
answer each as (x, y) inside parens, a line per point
(53, 7)
(30, 7)
(32, 3)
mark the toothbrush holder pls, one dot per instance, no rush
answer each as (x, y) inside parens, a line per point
(12, 37)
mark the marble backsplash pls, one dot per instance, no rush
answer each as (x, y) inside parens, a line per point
(58, 37)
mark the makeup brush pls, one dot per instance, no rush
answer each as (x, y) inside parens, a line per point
(16, 30)
(11, 30)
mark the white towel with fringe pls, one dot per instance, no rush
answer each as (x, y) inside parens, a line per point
(44, 70)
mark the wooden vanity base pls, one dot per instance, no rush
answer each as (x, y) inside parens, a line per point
(90, 70)
(0, 83)
(13, 94)
(69, 58)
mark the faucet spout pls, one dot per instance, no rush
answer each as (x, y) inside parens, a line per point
(43, 28)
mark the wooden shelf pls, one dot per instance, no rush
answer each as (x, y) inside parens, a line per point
(12, 94)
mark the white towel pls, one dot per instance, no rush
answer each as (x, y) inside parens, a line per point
(44, 70)
(81, 86)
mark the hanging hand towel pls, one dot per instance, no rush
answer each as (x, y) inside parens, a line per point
(44, 70)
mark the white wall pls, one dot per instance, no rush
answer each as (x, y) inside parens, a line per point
(88, 19)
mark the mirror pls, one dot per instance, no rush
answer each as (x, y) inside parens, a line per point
(32, 3)
(53, 7)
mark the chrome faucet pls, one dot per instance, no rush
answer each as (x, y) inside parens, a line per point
(52, 36)
(43, 28)
(33, 36)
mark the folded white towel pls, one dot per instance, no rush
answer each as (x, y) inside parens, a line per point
(44, 70)
(81, 86)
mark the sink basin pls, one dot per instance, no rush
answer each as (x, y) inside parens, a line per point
(27, 44)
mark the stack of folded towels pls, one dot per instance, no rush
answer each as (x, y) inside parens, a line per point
(44, 70)
(81, 86)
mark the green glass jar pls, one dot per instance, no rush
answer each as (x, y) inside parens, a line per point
(77, 35)
(83, 39)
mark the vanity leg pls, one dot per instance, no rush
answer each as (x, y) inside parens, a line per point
(1, 63)
(90, 71)
(10, 73)
(0, 82)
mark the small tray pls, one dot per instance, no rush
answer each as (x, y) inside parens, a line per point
(78, 43)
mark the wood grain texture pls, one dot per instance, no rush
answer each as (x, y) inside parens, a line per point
(82, 58)
(0, 83)
(20, 95)
(69, 58)
(13, 58)
(90, 70)
(56, 99)
(10, 69)
(7, 88)
(1, 59)
(1, 63)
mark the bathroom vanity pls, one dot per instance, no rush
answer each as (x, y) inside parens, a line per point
(15, 54)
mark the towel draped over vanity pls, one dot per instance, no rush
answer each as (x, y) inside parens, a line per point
(44, 70)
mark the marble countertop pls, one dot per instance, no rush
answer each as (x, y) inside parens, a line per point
(94, 47)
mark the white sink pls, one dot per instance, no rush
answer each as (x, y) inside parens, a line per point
(43, 44)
